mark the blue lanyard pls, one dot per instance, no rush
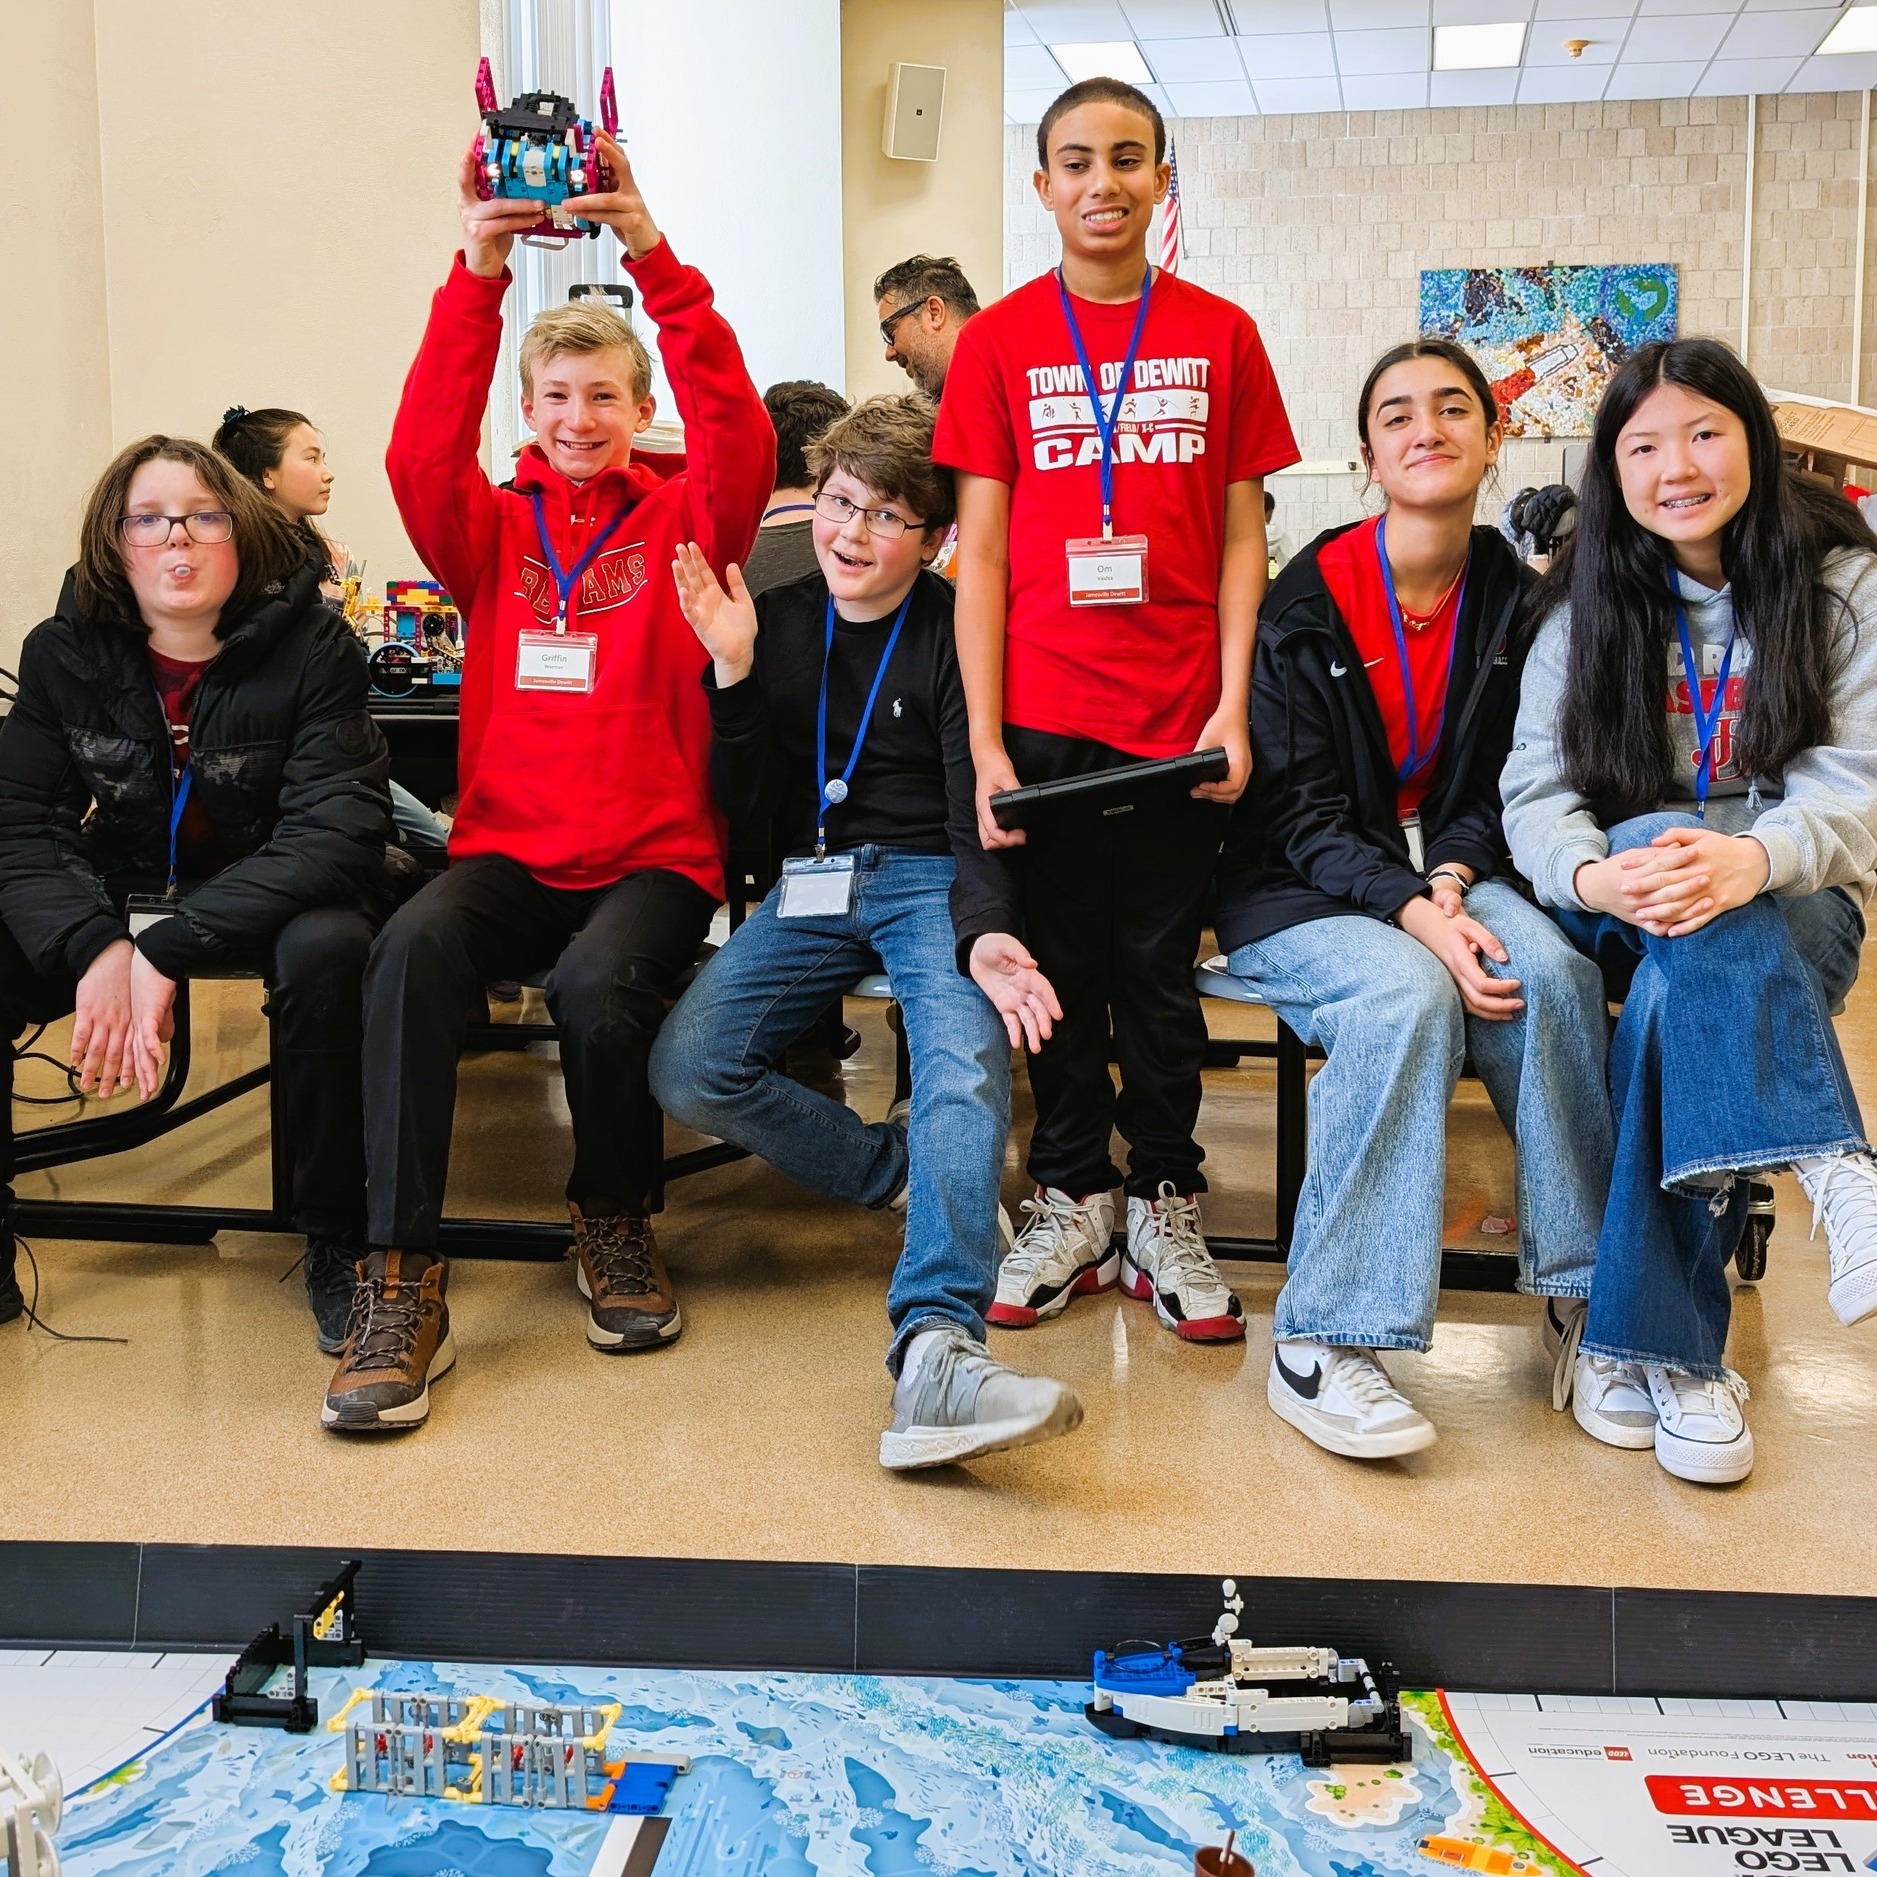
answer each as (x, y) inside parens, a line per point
(829, 794)
(1106, 421)
(1709, 721)
(565, 582)
(179, 800)
(1416, 760)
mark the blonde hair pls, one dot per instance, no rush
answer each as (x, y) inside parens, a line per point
(580, 326)
(887, 444)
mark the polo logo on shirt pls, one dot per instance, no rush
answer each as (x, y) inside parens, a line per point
(1163, 416)
(616, 578)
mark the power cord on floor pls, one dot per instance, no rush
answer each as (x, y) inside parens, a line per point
(35, 1321)
(25, 1052)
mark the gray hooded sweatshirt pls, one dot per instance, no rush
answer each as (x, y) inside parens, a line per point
(1818, 823)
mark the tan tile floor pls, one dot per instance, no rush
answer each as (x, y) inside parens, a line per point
(755, 1436)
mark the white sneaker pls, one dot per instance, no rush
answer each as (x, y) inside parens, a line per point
(1343, 1400)
(1066, 1249)
(1560, 1330)
(1843, 1192)
(1166, 1263)
(953, 1402)
(1612, 1402)
(1700, 1434)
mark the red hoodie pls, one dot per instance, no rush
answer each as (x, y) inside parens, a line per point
(583, 788)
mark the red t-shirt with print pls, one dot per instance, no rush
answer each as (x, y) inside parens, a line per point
(1352, 570)
(177, 680)
(1202, 411)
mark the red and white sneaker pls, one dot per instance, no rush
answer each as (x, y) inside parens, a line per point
(1066, 1249)
(1166, 1263)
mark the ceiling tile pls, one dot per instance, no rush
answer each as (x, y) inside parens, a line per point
(1480, 12)
(1544, 44)
(1780, 35)
(1562, 84)
(1279, 16)
(1842, 71)
(1214, 100)
(1159, 95)
(1173, 19)
(1691, 36)
(1193, 61)
(1373, 15)
(1651, 8)
(1585, 9)
(1076, 22)
(1027, 107)
(1385, 91)
(1473, 87)
(1399, 49)
(1017, 30)
(1737, 78)
(1030, 68)
(1287, 95)
(1777, 6)
(1661, 78)
(1288, 55)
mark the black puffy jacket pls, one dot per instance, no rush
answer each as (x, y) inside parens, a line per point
(287, 764)
(1316, 834)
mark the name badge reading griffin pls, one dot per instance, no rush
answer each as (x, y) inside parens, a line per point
(555, 661)
(1108, 573)
(816, 889)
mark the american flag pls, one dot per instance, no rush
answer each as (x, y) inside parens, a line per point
(1170, 245)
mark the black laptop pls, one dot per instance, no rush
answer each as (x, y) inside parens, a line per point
(1109, 791)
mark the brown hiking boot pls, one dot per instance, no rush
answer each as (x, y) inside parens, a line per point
(630, 1302)
(397, 1343)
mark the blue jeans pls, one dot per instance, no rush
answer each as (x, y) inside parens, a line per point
(717, 1068)
(1724, 1061)
(1365, 1255)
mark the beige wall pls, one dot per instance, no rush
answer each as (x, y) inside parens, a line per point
(891, 208)
(252, 205)
(55, 389)
(1319, 226)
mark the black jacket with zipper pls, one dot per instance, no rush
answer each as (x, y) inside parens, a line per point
(1317, 833)
(286, 762)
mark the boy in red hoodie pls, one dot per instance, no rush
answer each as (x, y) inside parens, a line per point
(585, 839)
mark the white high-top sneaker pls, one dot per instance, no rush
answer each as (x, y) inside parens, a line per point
(1166, 1263)
(1343, 1400)
(1843, 1192)
(1066, 1249)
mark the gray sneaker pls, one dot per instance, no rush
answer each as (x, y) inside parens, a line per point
(954, 1402)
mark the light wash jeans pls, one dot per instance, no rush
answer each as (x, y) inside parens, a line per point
(1365, 1255)
(1724, 1061)
(717, 1068)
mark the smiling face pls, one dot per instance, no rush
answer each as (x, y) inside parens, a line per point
(184, 581)
(923, 342)
(300, 482)
(868, 574)
(1102, 182)
(585, 410)
(1684, 466)
(1429, 443)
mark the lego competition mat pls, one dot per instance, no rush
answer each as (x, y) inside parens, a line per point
(795, 1775)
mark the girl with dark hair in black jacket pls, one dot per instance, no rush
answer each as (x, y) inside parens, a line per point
(1357, 892)
(191, 726)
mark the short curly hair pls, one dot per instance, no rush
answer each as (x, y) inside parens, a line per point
(800, 409)
(886, 443)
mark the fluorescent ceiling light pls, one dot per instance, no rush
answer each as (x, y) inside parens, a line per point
(1474, 48)
(1104, 58)
(1856, 31)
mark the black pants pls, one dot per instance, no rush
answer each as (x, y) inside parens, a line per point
(617, 954)
(313, 973)
(1113, 906)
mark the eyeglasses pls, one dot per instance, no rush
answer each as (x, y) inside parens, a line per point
(206, 525)
(892, 319)
(881, 521)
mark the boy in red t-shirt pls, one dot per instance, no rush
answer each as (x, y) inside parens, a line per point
(1069, 671)
(586, 841)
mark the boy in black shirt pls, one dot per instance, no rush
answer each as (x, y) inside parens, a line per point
(839, 719)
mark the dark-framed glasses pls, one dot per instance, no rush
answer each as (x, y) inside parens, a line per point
(206, 525)
(881, 521)
(893, 318)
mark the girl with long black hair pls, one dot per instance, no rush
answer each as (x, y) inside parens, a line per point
(1693, 793)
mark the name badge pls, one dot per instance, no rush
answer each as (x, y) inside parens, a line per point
(143, 910)
(555, 661)
(1411, 833)
(1108, 573)
(817, 889)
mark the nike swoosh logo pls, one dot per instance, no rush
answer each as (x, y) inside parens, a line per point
(1305, 1385)
(1338, 671)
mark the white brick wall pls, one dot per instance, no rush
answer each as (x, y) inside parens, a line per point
(1319, 227)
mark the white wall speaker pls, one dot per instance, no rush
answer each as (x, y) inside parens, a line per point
(915, 106)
